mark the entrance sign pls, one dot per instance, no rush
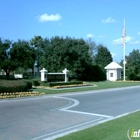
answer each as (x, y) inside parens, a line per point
(54, 77)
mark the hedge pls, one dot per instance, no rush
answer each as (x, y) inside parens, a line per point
(14, 86)
(60, 84)
(13, 89)
(36, 83)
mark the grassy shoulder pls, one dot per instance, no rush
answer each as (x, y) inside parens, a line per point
(112, 130)
(98, 85)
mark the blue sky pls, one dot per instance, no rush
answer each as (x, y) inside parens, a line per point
(101, 20)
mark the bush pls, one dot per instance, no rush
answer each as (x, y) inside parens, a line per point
(17, 88)
(93, 73)
(36, 83)
(29, 84)
(14, 86)
(133, 76)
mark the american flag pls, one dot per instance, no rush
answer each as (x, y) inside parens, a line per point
(123, 37)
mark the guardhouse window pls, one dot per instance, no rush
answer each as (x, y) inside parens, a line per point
(111, 74)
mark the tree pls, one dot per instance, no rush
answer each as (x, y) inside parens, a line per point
(133, 65)
(93, 73)
(103, 56)
(92, 49)
(23, 54)
(37, 42)
(6, 61)
(69, 53)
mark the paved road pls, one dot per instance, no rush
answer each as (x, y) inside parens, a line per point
(49, 116)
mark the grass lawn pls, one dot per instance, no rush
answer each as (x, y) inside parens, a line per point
(111, 130)
(99, 85)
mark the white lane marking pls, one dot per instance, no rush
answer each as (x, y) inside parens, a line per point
(68, 128)
(58, 108)
(86, 113)
(76, 103)
(61, 134)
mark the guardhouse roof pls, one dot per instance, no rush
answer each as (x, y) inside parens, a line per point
(113, 65)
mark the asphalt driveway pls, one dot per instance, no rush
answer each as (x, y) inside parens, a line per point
(47, 117)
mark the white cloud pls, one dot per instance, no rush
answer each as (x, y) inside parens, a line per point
(45, 17)
(119, 40)
(90, 35)
(128, 38)
(138, 33)
(108, 20)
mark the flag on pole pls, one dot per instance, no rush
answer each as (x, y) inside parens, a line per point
(123, 37)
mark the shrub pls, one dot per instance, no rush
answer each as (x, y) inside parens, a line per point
(133, 76)
(14, 86)
(29, 84)
(36, 83)
(18, 88)
(93, 73)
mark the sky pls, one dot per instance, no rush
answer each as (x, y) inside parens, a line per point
(99, 20)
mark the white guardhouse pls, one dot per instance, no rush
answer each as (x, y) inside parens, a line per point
(113, 71)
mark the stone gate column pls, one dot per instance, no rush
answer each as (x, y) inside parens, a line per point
(43, 74)
(65, 71)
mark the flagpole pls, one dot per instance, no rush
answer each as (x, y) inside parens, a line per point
(124, 62)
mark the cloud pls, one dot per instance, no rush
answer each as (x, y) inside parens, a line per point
(90, 35)
(45, 17)
(108, 20)
(119, 40)
(138, 33)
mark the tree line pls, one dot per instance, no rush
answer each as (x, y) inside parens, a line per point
(84, 58)
(133, 65)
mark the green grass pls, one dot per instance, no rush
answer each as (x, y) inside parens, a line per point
(111, 130)
(99, 85)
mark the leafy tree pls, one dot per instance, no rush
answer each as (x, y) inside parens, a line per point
(37, 42)
(23, 54)
(68, 53)
(103, 56)
(133, 65)
(6, 61)
(93, 73)
(92, 49)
